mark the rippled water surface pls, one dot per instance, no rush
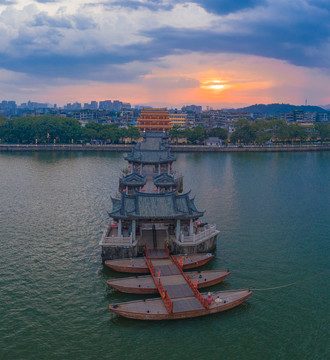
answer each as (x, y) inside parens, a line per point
(273, 212)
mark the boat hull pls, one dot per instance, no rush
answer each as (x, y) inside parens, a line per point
(139, 266)
(154, 309)
(146, 285)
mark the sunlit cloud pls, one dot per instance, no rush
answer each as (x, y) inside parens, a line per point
(166, 51)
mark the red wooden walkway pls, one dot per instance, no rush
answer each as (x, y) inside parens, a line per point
(176, 289)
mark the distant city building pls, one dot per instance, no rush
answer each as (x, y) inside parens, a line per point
(30, 105)
(287, 117)
(8, 107)
(192, 118)
(309, 117)
(179, 120)
(105, 105)
(140, 107)
(194, 108)
(85, 116)
(92, 106)
(154, 120)
(76, 106)
(298, 115)
(117, 105)
(108, 111)
(322, 117)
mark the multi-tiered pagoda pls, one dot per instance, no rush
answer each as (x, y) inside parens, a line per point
(154, 120)
(151, 209)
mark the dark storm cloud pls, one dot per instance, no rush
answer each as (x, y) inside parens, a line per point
(103, 66)
(151, 5)
(283, 46)
(215, 6)
(296, 31)
(228, 6)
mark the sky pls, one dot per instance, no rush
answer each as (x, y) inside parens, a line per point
(217, 53)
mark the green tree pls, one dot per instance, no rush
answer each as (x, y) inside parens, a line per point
(219, 132)
(133, 132)
(280, 130)
(43, 128)
(245, 132)
(197, 135)
(262, 131)
(323, 130)
(175, 133)
(3, 120)
(297, 132)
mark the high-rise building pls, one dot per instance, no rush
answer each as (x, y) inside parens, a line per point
(194, 108)
(105, 105)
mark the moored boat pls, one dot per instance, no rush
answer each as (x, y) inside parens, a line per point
(187, 307)
(139, 266)
(146, 285)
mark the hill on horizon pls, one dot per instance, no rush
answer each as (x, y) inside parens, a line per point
(280, 108)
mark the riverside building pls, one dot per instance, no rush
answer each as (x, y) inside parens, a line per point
(151, 209)
(154, 120)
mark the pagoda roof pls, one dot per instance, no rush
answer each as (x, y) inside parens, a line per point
(150, 206)
(164, 180)
(134, 180)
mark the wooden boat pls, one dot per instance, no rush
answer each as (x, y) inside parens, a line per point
(146, 285)
(139, 266)
(186, 307)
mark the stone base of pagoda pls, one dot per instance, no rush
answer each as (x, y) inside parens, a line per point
(205, 246)
(118, 252)
(122, 252)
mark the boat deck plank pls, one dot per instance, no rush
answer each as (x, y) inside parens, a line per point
(179, 291)
(173, 280)
(157, 254)
(166, 270)
(186, 304)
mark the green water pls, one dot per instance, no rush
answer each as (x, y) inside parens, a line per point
(273, 212)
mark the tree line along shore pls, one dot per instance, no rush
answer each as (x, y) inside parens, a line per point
(50, 130)
(174, 148)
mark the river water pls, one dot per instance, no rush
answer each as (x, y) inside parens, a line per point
(273, 212)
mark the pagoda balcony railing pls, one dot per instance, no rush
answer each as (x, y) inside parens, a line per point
(112, 240)
(116, 240)
(207, 232)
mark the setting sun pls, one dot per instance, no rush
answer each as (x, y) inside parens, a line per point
(213, 85)
(216, 87)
